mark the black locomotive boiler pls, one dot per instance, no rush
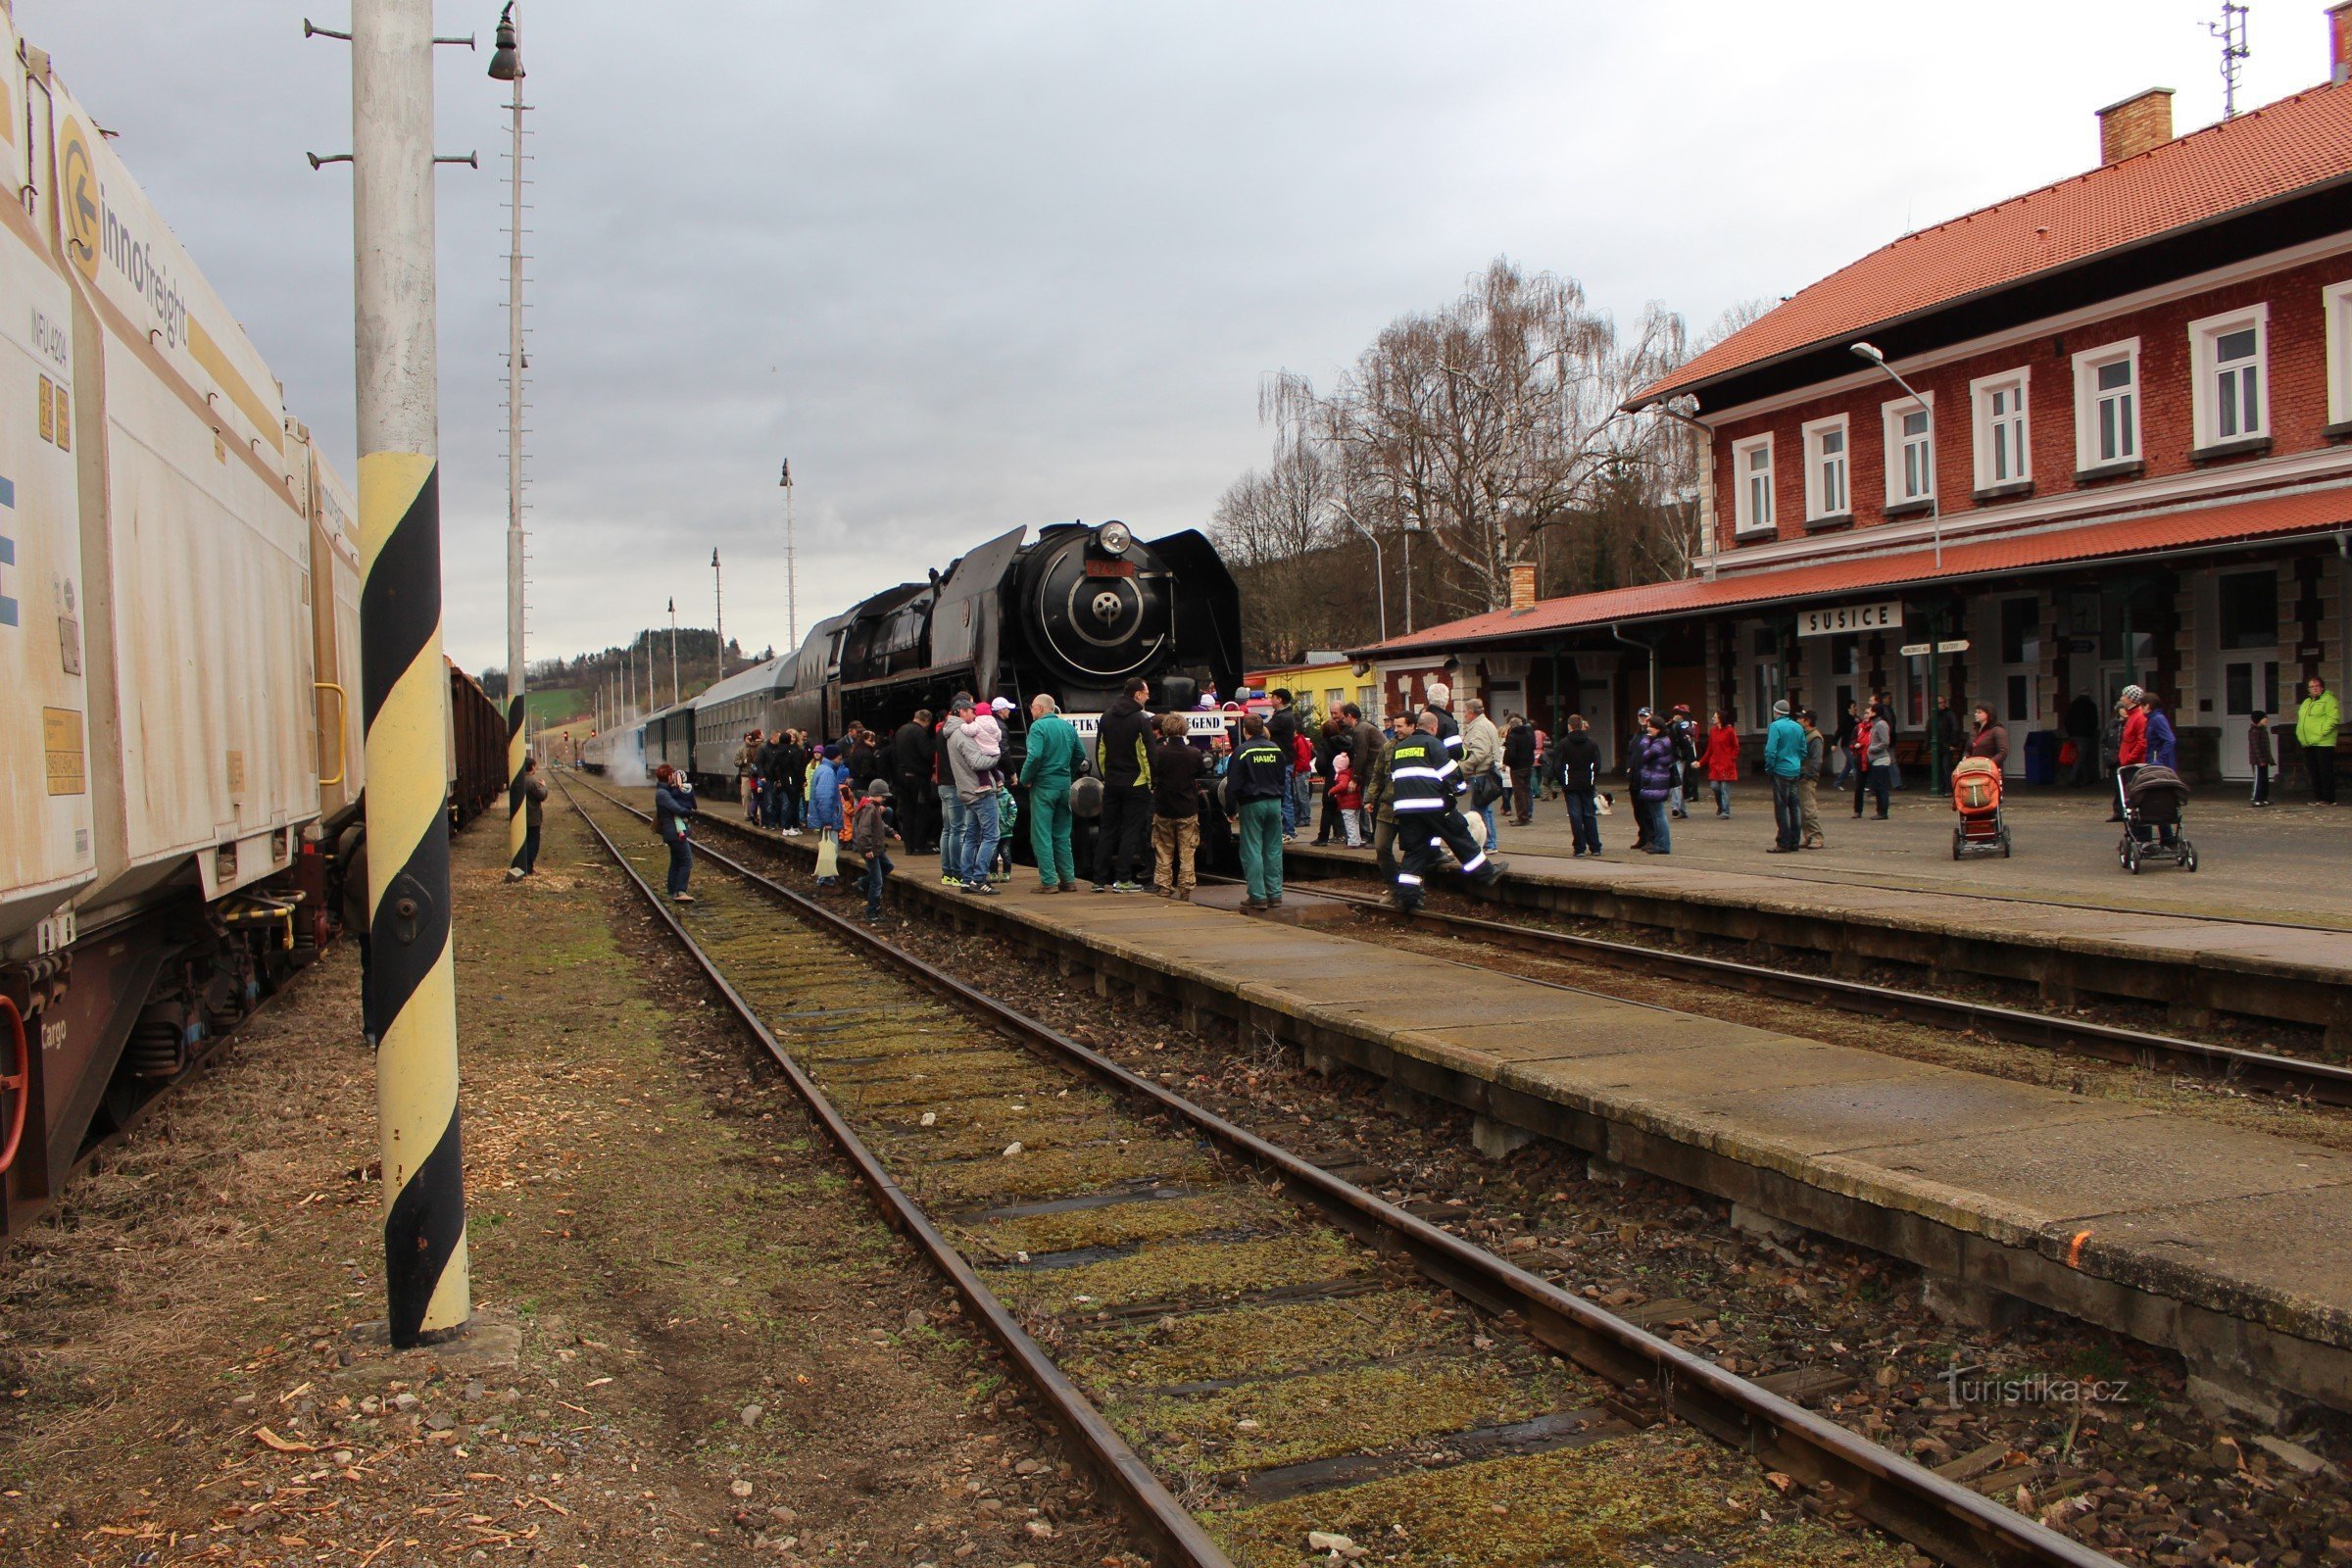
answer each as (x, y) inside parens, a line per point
(1076, 612)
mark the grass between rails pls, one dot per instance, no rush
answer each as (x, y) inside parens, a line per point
(1317, 1384)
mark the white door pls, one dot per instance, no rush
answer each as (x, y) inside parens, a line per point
(2248, 683)
(1597, 701)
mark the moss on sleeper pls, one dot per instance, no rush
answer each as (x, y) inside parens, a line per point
(936, 1079)
(1268, 1341)
(1057, 1173)
(976, 1133)
(1180, 1271)
(1121, 1224)
(1649, 1498)
(1318, 1414)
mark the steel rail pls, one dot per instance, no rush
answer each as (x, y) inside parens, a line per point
(1945, 1520)
(2319, 1081)
(1175, 1537)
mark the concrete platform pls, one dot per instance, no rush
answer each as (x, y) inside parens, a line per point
(2233, 1247)
(2257, 933)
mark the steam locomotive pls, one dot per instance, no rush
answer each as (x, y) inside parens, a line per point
(1077, 612)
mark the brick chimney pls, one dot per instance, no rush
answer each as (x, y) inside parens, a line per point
(2339, 42)
(2137, 124)
(1523, 572)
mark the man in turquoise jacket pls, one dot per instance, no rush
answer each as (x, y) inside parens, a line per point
(1783, 762)
(1048, 767)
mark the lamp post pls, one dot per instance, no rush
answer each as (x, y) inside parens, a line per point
(1379, 580)
(1870, 353)
(792, 586)
(719, 615)
(506, 65)
(673, 651)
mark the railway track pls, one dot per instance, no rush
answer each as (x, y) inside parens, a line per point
(2322, 1082)
(1243, 1345)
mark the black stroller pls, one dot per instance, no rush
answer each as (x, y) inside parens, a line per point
(2152, 802)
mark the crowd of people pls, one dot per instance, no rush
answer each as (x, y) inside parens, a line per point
(1418, 787)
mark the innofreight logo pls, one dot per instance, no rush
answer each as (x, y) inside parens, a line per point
(78, 180)
(93, 230)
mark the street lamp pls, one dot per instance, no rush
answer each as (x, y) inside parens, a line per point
(506, 60)
(1380, 577)
(506, 65)
(1870, 352)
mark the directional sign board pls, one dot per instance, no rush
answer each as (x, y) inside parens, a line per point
(1920, 650)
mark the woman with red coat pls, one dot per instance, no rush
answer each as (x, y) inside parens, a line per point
(1722, 760)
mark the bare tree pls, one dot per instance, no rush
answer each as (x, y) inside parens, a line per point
(1483, 425)
(1277, 526)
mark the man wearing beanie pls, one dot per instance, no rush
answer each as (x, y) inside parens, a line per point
(1783, 762)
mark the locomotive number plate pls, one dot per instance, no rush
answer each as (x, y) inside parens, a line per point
(1111, 568)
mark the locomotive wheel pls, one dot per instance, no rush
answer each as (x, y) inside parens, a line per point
(17, 1085)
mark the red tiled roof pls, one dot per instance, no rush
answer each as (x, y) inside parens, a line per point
(2279, 148)
(2143, 534)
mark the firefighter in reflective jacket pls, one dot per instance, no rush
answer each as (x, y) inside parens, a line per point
(1424, 781)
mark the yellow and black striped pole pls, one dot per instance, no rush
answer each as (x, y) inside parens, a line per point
(412, 1000)
(517, 812)
(509, 58)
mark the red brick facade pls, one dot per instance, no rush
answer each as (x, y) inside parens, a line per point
(2295, 388)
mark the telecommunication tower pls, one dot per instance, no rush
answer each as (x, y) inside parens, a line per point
(2231, 30)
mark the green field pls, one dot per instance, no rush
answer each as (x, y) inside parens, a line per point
(560, 705)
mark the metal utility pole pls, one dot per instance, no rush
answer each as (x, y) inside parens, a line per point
(792, 573)
(506, 65)
(1870, 353)
(718, 614)
(411, 998)
(673, 651)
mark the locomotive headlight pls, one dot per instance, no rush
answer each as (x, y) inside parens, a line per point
(1114, 538)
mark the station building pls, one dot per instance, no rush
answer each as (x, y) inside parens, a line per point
(2128, 460)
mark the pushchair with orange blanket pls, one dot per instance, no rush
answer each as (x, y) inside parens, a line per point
(1976, 797)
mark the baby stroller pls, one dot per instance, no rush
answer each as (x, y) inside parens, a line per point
(1976, 797)
(2153, 800)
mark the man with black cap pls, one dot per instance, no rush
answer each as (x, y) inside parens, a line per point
(1123, 761)
(913, 757)
(1282, 728)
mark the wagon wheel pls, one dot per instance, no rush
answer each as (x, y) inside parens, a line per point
(17, 1085)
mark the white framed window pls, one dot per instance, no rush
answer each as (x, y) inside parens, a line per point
(2230, 359)
(1910, 449)
(2003, 441)
(1829, 492)
(2107, 406)
(1751, 485)
(2335, 303)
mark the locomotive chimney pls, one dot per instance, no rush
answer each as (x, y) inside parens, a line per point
(1523, 585)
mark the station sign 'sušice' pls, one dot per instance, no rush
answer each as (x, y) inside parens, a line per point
(1833, 620)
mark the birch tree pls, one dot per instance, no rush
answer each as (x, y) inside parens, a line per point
(1482, 427)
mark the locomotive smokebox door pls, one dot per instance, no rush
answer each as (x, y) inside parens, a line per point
(1102, 606)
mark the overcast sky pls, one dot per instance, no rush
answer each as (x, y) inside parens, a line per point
(978, 265)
